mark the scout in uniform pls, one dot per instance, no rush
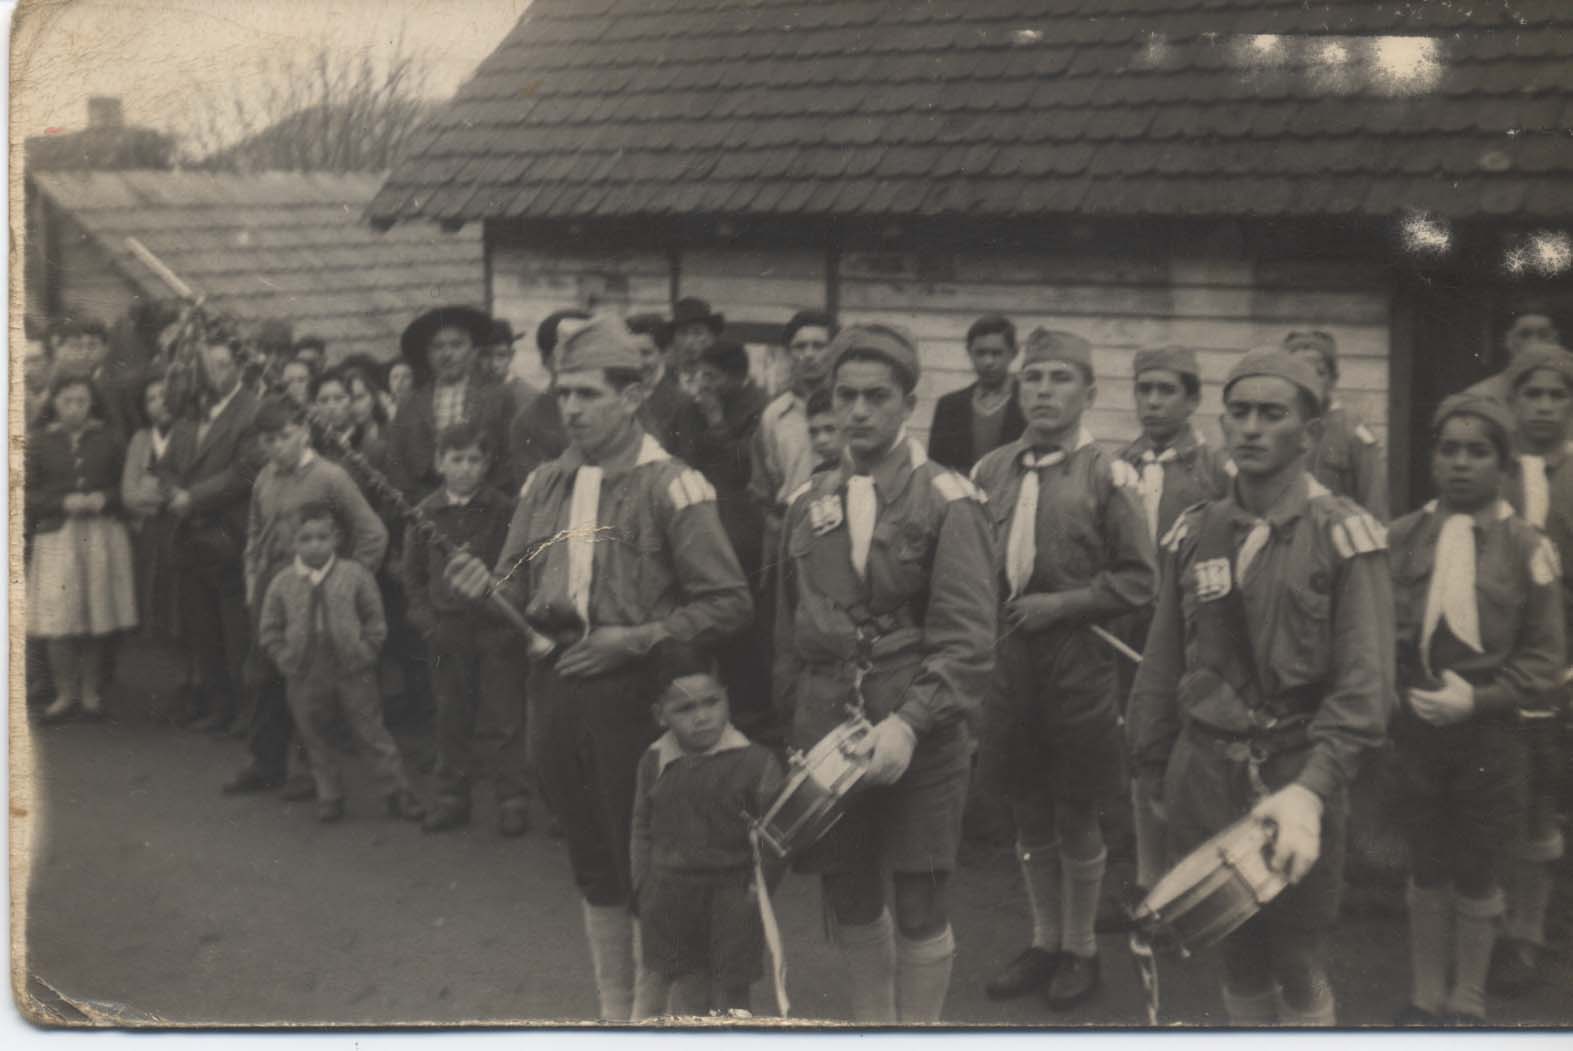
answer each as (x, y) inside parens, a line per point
(613, 548)
(1177, 470)
(1348, 459)
(1268, 675)
(887, 598)
(1075, 551)
(1480, 636)
(1540, 386)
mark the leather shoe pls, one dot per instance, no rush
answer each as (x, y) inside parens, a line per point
(1075, 981)
(298, 790)
(1031, 971)
(1515, 968)
(405, 804)
(446, 814)
(248, 780)
(513, 819)
(330, 810)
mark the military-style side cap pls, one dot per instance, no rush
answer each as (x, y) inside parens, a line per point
(1047, 344)
(1317, 340)
(601, 343)
(1540, 356)
(1181, 360)
(1482, 405)
(889, 343)
(1272, 361)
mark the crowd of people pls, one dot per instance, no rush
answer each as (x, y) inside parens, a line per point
(636, 590)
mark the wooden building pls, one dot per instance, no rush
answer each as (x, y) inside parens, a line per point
(1212, 173)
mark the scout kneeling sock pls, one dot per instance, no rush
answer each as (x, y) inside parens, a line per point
(1430, 945)
(1040, 870)
(1476, 920)
(923, 976)
(870, 953)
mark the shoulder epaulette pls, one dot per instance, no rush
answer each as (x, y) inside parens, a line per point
(1358, 533)
(953, 487)
(1363, 433)
(689, 487)
(1124, 474)
(1545, 565)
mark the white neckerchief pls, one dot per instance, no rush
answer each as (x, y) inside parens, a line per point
(1537, 491)
(1261, 532)
(1021, 547)
(863, 504)
(314, 576)
(583, 513)
(1151, 486)
(1451, 596)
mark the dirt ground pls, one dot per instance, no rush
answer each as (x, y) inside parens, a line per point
(155, 899)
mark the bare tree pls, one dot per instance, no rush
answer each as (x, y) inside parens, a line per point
(330, 110)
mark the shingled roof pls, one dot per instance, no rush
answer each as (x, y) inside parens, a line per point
(275, 245)
(637, 108)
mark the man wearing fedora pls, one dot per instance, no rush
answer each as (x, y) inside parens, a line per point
(535, 431)
(441, 347)
(695, 328)
(497, 366)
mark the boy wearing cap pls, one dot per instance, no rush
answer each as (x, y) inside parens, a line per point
(1267, 677)
(1480, 636)
(1540, 397)
(1348, 459)
(1075, 551)
(887, 567)
(613, 548)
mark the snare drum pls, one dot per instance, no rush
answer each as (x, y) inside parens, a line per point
(817, 789)
(1212, 891)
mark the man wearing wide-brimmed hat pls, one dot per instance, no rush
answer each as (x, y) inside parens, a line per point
(441, 346)
(695, 328)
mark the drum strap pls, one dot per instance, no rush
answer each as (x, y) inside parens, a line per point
(767, 920)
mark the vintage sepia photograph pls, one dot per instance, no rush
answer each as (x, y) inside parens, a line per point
(1049, 514)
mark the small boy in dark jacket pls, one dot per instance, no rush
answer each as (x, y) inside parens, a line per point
(478, 659)
(697, 786)
(322, 626)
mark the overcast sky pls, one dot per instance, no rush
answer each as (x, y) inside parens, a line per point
(162, 58)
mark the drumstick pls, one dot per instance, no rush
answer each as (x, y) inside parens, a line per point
(1118, 646)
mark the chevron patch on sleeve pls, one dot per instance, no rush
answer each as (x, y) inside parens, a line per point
(1359, 534)
(689, 488)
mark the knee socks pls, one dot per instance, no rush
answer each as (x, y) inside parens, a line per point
(1529, 896)
(923, 976)
(1430, 938)
(1251, 1010)
(610, 932)
(870, 953)
(1082, 882)
(1040, 870)
(1476, 932)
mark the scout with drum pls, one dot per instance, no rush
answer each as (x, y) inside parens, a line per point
(1076, 551)
(887, 605)
(1268, 675)
(614, 547)
(1178, 470)
(1348, 459)
(1480, 636)
(1540, 386)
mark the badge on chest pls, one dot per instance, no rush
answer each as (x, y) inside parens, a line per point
(824, 514)
(1212, 578)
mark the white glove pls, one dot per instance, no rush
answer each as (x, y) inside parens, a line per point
(890, 750)
(1296, 812)
(1453, 702)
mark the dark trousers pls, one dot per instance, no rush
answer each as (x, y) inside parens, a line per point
(592, 734)
(217, 631)
(478, 677)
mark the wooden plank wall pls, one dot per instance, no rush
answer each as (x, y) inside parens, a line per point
(1220, 308)
(761, 286)
(89, 284)
(530, 282)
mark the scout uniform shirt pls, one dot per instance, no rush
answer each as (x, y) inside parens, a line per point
(1192, 471)
(659, 552)
(1350, 462)
(1315, 604)
(925, 605)
(1517, 615)
(1091, 543)
(1552, 511)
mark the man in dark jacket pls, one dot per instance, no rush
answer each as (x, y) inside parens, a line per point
(669, 413)
(214, 458)
(535, 434)
(980, 418)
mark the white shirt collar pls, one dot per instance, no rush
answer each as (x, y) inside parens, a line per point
(315, 576)
(668, 751)
(458, 501)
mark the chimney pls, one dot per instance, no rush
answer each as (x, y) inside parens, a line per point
(104, 112)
